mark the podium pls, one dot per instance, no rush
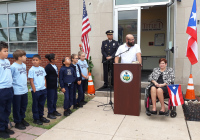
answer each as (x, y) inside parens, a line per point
(127, 89)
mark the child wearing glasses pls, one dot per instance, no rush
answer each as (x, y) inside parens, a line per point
(77, 84)
(67, 76)
(52, 84)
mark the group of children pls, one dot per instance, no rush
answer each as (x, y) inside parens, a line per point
(73, 76)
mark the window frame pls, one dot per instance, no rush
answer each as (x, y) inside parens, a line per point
(10, 54)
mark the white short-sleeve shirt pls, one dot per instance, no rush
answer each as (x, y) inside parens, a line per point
(129, 56)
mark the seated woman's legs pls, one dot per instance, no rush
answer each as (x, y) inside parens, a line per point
(153, 97)
(160, 95)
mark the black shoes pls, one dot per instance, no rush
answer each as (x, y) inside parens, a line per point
(51, 116)
(66, 113)
(162, 113)
(69, 111)
(4, 135)
(20, 126)
(38, 122)
(44, 120)
(75, 107)
(55, 113)
(83, 102)
(9, 131)
(153, 112)
(79, 105)
(25, 123)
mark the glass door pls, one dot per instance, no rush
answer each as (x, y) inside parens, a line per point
(127, 21)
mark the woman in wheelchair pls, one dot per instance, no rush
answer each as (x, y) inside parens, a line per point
(160, 78)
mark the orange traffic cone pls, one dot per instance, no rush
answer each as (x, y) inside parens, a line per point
(91, 89)
(190, 95)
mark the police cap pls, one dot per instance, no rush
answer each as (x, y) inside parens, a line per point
(109, 32)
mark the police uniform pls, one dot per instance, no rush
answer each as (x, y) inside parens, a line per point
(108, 48)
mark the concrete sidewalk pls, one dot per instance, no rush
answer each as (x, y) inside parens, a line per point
(99, 123)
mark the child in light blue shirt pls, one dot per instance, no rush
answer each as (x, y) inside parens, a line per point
(84, 72)
(6, 91)
(37, 75)
(20, 98)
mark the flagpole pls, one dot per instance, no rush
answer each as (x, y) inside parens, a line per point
(190, 68)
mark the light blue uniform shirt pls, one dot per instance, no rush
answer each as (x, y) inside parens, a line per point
(5, 74)
(77, 70)
(19, 76)
(38, 74)
(83, 65)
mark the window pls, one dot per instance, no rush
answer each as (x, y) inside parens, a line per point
(123, 2)
(18, 26)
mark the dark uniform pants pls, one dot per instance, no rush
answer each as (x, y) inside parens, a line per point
(84, 87)
(6, 96)
(68, 101)
(20, 103)
(106, 68)
(52, 97)
(39, 98)
(80, 93)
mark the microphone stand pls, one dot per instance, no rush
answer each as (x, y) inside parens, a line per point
(109, 60)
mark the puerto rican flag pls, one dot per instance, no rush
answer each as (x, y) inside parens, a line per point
(192, 47)
(175, 94)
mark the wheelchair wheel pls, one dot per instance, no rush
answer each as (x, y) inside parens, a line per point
(173, 114)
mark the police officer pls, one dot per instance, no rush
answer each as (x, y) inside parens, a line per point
(108, 50)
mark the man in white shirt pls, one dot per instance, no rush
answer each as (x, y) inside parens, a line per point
(133, 51)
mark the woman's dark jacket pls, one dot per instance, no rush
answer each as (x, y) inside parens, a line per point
(51, 77)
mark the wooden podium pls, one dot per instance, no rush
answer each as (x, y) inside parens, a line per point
(127, 89)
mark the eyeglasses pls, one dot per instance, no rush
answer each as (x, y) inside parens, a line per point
(131, 39)
(76, 58)
(67, 59)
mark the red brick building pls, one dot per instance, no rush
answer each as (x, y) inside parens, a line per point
(38, 27)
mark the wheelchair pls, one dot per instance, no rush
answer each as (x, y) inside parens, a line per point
(147, 102)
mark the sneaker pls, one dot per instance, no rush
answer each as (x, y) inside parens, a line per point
(44, 120)
(4, 135)
(51, 116)
(79, 105)
(25, 123)
(66, 113)
(20, 126)
(55, 113)
(69, 111)
(38, 122)
(75, 107)
(9, 131)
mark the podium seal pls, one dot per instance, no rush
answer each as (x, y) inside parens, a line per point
(126, 76)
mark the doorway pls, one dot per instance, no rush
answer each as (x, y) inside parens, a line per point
(149, 26)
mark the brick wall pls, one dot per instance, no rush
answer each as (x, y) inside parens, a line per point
(53, 30)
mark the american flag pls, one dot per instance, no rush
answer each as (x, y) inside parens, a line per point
(175, 94)
(85, 30)
(192, 47)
